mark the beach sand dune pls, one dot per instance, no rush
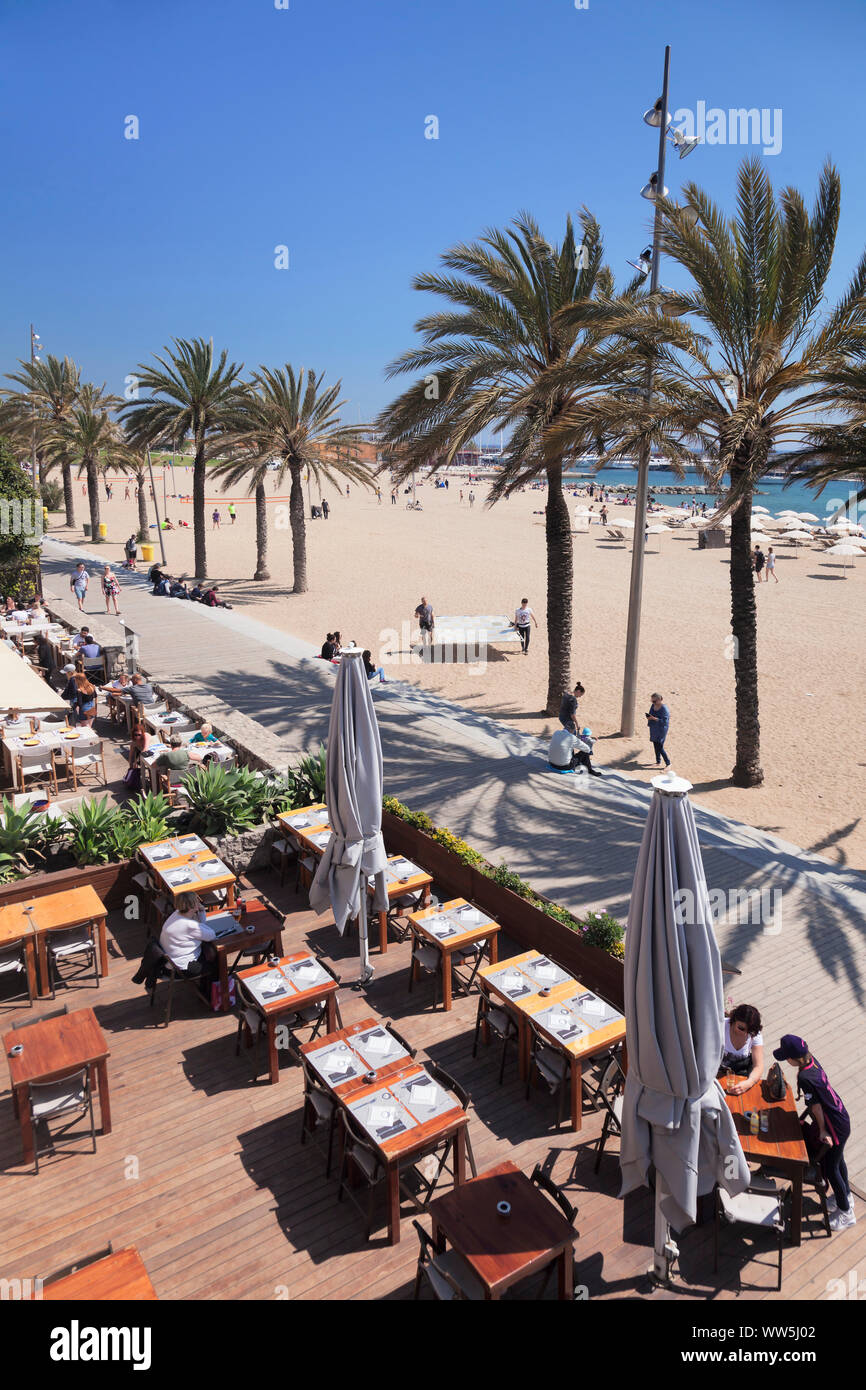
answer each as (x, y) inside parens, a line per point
(370, 563)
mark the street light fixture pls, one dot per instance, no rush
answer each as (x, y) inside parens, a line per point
(653, 117)
(651, 187)
(682, 142)
(644, 262)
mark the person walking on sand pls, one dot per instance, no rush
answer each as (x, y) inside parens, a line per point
(326, 507)
(79, 582)
(426, 621)
(472, 499)
(232, 512)
(771, 566)
(758, 562)
(658, 720)
(215, 519)
(523, 619)
(110, 589)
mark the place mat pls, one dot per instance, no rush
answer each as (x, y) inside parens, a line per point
(424, 1097)
(594, 1011)
(269, 986)
(210, 868)
(335, 1063)
(440, 926)
(155, 856)
(306, 974)
(189, 844)
(382, 1116)
(402, 868)
(512, 983)
(545, 973)
(562, 1023)
(378, 1048)
(176, 878)
(467, 917)
(320, 839)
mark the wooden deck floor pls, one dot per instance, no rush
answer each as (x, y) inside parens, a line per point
(204, 1171)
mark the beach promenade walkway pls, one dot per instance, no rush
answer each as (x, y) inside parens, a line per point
(795, 924)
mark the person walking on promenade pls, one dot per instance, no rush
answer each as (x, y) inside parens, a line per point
(79, 582)
(568, 709)
(523, 618)
(658, 722)
(110, 589)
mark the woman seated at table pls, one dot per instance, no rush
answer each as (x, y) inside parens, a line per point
(205, 735)
(37, 609)
(138, 743)
(81, 694)
(187, 940)
(744, 1047)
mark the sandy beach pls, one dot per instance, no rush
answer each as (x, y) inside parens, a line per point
(369, 564)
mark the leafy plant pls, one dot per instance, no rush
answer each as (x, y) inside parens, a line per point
(218, 800)
(52, 495)
(99, 832)
(148, 815)
(311, 777)
(24, 839)
(601, 930)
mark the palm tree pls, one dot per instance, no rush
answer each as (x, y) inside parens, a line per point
(190, 394)
(49, 389)
(761, 379)
(289, 416)
(497, 360)
(90, 438)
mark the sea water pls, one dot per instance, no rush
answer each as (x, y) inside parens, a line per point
(771, 493)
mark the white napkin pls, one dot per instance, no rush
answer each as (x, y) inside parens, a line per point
(377, 1044)
(307, 972)
(545, 972)
(592, 1006)
(423, 1094)
(382, 1116)
(339, 1061)
(512, 980)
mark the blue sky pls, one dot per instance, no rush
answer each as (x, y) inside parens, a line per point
(305, 127)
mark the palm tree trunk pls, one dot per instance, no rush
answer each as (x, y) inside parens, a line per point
(747, 771)
(93, 499)
(198, 518)
(299, 533)
(68, 494)
(142, 509)
(261, 533)
(560, 584)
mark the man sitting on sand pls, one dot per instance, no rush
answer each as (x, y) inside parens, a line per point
(568, 752)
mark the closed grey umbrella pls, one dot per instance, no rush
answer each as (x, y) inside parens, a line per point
(674, 1111)
(354, 796)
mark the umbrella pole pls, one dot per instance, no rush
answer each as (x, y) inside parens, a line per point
(665, 1251)
(363, 938)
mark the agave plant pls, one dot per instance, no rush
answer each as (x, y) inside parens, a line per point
(100, 833)
(25, 835)
(218, 801)
(311, 778)
(148, 816)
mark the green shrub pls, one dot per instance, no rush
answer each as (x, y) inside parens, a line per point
(25, 836)
(218, 800)
(52, 496)
(148, 816)
(601, 930)
(311, 778)
(100, 834)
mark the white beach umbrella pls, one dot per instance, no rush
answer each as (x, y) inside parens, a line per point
(796, 536)
(354, 796)
(674, 1111)
(807, 516)
(626, 521)
(845, 548)
(763, 511)
(787, 511)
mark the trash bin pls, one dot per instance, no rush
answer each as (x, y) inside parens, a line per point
(87, 530)
(103, 530)
(147, 553)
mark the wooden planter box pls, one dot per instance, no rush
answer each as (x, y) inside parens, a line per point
(110, 882)
(521, 920)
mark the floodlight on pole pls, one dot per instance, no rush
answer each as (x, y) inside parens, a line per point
(683, 143)
(653, 117)
(651, 188)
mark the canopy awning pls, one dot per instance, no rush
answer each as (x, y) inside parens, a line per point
(21, 687)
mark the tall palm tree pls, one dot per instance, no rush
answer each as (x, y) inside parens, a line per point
(47, 394)
(190, 394)
(91, 439)
(760, 379)
(291, 417)
(494, 359)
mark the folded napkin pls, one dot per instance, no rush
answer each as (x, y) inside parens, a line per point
(377, 1042)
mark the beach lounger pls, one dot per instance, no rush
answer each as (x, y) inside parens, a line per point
(615, 533)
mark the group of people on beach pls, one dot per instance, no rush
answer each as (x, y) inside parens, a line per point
(164, 586)
(764, 565)
(570, 747)
(332, 650)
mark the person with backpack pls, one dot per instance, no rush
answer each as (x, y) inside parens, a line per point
(826, 1126)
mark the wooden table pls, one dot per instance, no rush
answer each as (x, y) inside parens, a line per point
(325, 993)
(503, 1250)
(200, 883)
(53, 912)
(534, 1003)
(267, 932)
(347, 1089)
(486, 931)
(413, 884)
(120, 1277)
(317, 815)
(52, 1049)
(781, 1147)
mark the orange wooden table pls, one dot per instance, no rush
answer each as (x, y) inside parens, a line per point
(266, 930)
(346, 1089)
(53, 912)
(503, 1250)
(397, 889)
(291, 1003)
(199, 882)
(486, 931)
(781, 1147)
(316, 817)
(52, 1049)
(119, 1278)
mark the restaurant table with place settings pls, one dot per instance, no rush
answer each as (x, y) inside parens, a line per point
(33, 919)
(504, 1248)
(452, 928)
(58, 741)
(304, 818)
(402, 878)
(295, 982)
(574, 1019)
(185, 864)
(50, 1050)
(250, 927)
(403, 1111)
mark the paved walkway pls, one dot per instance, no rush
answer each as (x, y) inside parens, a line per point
(575, 838)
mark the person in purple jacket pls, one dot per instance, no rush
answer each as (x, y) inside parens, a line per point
(833, 1124)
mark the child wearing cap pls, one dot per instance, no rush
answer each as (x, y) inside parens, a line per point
(833, 1123)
